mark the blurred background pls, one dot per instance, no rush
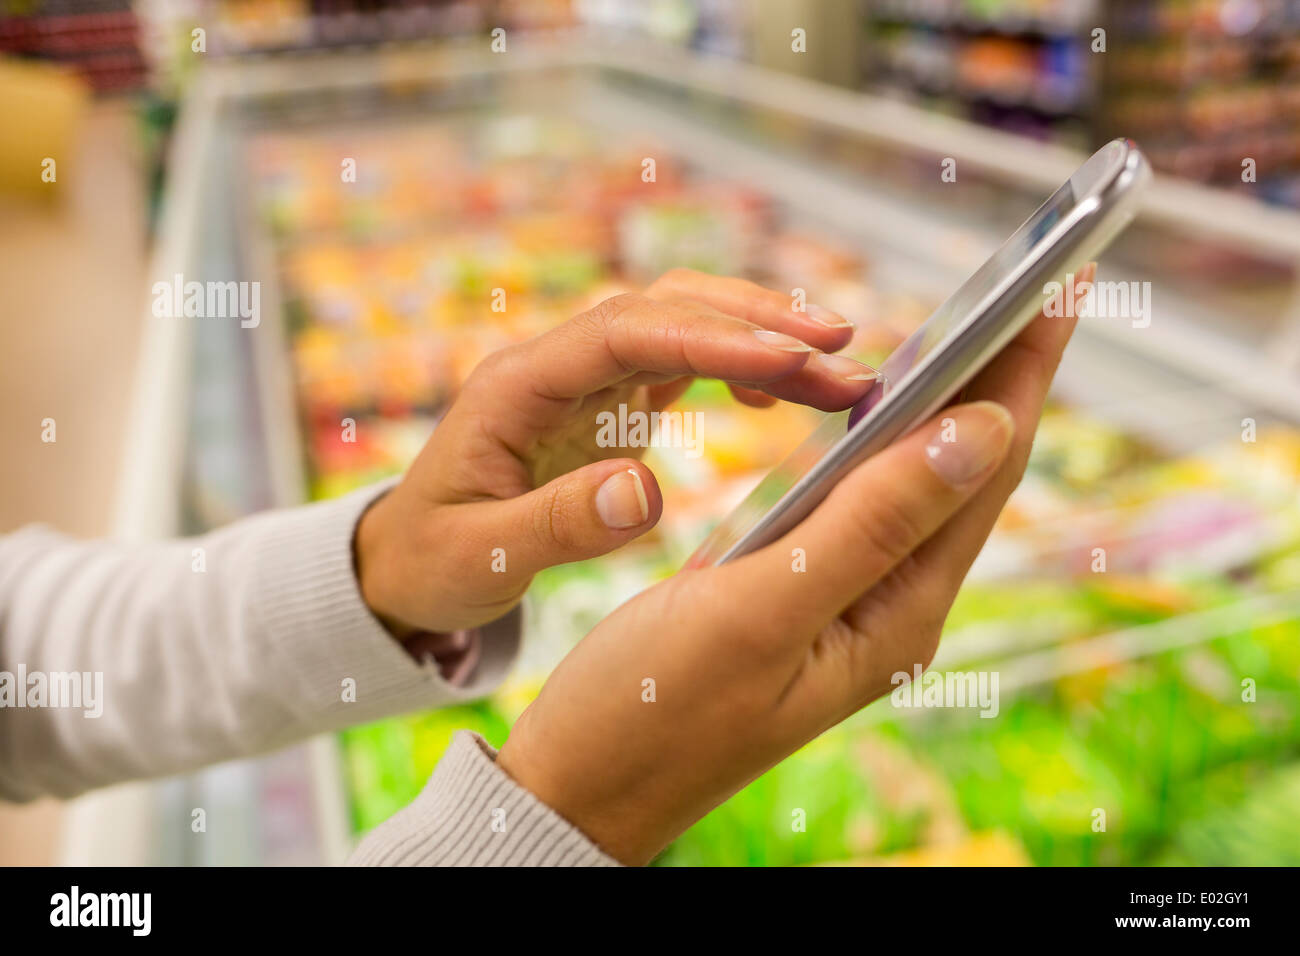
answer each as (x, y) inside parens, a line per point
(380, 166)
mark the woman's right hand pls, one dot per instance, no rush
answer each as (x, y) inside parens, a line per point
(698, 685)
(516, 466)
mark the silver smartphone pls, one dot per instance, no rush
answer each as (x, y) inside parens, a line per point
(939, 358)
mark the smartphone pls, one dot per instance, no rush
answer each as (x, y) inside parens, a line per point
(950, 347)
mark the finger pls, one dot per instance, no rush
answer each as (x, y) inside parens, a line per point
(1019, 379)
(583, 514)
(769, 308)
(873, 519)
(631, 338)
(661, 396)
(752, 397)
(827, 382)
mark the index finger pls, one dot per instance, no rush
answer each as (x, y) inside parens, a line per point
(818, 326)
(631, 340)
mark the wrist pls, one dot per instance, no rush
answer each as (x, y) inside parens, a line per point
(627, 838)
(377, 566)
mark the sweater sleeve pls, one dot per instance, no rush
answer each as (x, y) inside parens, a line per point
(471, 813)
(121, 662)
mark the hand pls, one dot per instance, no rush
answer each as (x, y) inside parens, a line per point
(515, 462)
(752, 660)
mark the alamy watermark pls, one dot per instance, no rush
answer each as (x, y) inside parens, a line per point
(978, 689)
(82, 690)
(1108, 300)
(131, 911)
(208, 300)
(639, 429)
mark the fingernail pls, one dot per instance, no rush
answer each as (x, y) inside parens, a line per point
(779, 340)
(841, 366)
(970, 443)
(621, 501)
(824, 316)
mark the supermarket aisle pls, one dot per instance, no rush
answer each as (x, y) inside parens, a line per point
(73, 280)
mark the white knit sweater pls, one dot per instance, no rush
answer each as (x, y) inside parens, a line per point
(250, 653)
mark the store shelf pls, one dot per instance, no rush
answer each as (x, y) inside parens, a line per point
(1180, 209)
(1037, 166)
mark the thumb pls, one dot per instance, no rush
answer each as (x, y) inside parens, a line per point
(877, 516)
(579, 515)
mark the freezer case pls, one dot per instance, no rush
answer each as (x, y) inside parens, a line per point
(1143, 584)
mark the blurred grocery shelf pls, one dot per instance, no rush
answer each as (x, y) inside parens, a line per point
(882, 132)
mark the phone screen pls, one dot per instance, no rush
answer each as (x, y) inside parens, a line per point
(944, 326)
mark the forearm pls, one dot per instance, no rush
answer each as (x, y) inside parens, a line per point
(214, 647)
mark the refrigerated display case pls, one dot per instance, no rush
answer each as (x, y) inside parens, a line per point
(1170, 453)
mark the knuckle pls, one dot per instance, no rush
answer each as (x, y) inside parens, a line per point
(929, 611)
(1017, 461)
(491, 367)
(554, 523)
(890, 658)
(919, 653)
(752, 289)
(892, 528)
(615, 310)
(927, 643)
(677, 276)
(610, 324)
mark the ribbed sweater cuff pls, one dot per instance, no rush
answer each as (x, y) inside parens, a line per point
(471, 813)
(320, 628)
